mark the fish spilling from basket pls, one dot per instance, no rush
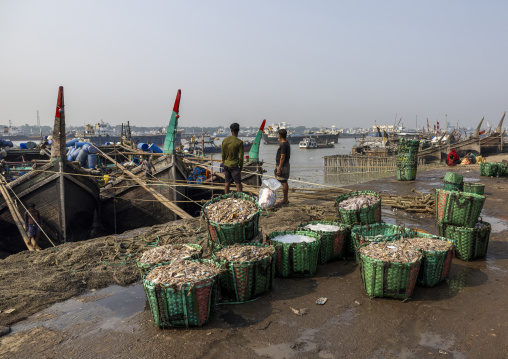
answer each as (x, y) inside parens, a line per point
(230, 210)
(243, 253)
(357, 202)
(399, 252)
(181, 272)
(167, 253)
(293, 238)
(321, 227)
(427, 244)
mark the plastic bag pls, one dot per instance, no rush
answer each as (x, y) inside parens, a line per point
(267, 198)
(272, 183)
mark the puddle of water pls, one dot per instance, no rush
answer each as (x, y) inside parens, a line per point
(114, 305)
(498, 225)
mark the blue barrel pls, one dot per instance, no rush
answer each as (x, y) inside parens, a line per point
(107, 143)
(82, 157)
(68, 143)
(75, 153)
(50, 142)
(143, 146)
(92, 160)
(22, 146)
(191, 179)
(70, 153)
(201, 179)
(92, 149)
(9, 143)
(154, 148)
(45, 137)
(81, 144)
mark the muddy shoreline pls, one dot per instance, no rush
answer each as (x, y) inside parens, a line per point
(464, 317)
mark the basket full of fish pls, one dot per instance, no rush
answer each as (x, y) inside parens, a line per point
(470, 243)
(250, 269)
(458, 208)
(297, 253)
(166, 254)
(362, 207)
(182, 293)
(437, 257)
(389, 269)
(333, 239)
(377, 232)
(232, 218)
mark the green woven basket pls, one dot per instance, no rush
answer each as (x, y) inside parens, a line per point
(247, 280)
(453, 186)
(455, 178)
(470, 243)
(190, 305)
(365, 215)
(145, 267)
(406, 173)
(502, 169)
(296, 259)
(333, 244)
(477, 188)
(458, 208)
(388, 279)
(226, 234)
(488, 169)
(377, 232)
(435, 265)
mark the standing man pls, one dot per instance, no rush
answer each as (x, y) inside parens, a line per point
(148, 166)
(232, 158)
(33, 225)
(282, 164)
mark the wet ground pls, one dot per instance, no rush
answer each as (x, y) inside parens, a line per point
(463, 317)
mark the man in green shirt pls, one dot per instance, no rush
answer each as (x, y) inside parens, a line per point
(232, 158)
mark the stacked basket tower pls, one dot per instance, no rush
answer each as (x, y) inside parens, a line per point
(407, 159)
(458, 218)
(494, 169)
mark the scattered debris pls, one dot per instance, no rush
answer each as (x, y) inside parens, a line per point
(301, 311)
(322, 301)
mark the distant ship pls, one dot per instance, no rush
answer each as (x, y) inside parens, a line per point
(271, 137)
(13, 133)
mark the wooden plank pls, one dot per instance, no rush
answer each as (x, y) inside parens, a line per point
(16, 216)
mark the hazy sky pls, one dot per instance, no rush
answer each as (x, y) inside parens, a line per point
(347, 63)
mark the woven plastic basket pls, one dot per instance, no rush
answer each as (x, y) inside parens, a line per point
(145, 267)
(406, 173)
(502, 169)
(333, 244)
(247, 280)
(225, 234)
(477, 188)
(190, 305)
(365, 215)
(470, 243)
(458, 208)
(451, 177)
(296, 259)
(377, 232)
(435, 265)
(488, 169)
(388, 279)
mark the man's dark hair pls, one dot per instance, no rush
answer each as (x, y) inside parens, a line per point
(283, 133)
(234, 127)
(31, 205)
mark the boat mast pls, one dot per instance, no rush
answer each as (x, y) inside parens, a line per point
(477, 132)
(254, 150)
(58, 146)
(169, 142)
(499, 128)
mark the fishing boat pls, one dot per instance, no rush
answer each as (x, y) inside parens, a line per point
(66, 196)
(196, 145)
(271, 135)
(127, 203)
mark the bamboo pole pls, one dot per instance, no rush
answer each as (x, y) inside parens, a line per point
(162, 199)
(16, 216)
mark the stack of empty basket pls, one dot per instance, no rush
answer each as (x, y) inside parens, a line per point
(458, 215)
(407, 159)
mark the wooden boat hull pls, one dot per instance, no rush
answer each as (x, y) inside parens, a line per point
(126, 205)
(66, 197)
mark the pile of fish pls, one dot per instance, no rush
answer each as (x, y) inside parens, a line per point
(322, 227)
(293, 238)
(429, 244)
(230, 210)
(358, 202)
(181, 272)
(480, 225)
(167, 253)
(399, 252)
(243, 253)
